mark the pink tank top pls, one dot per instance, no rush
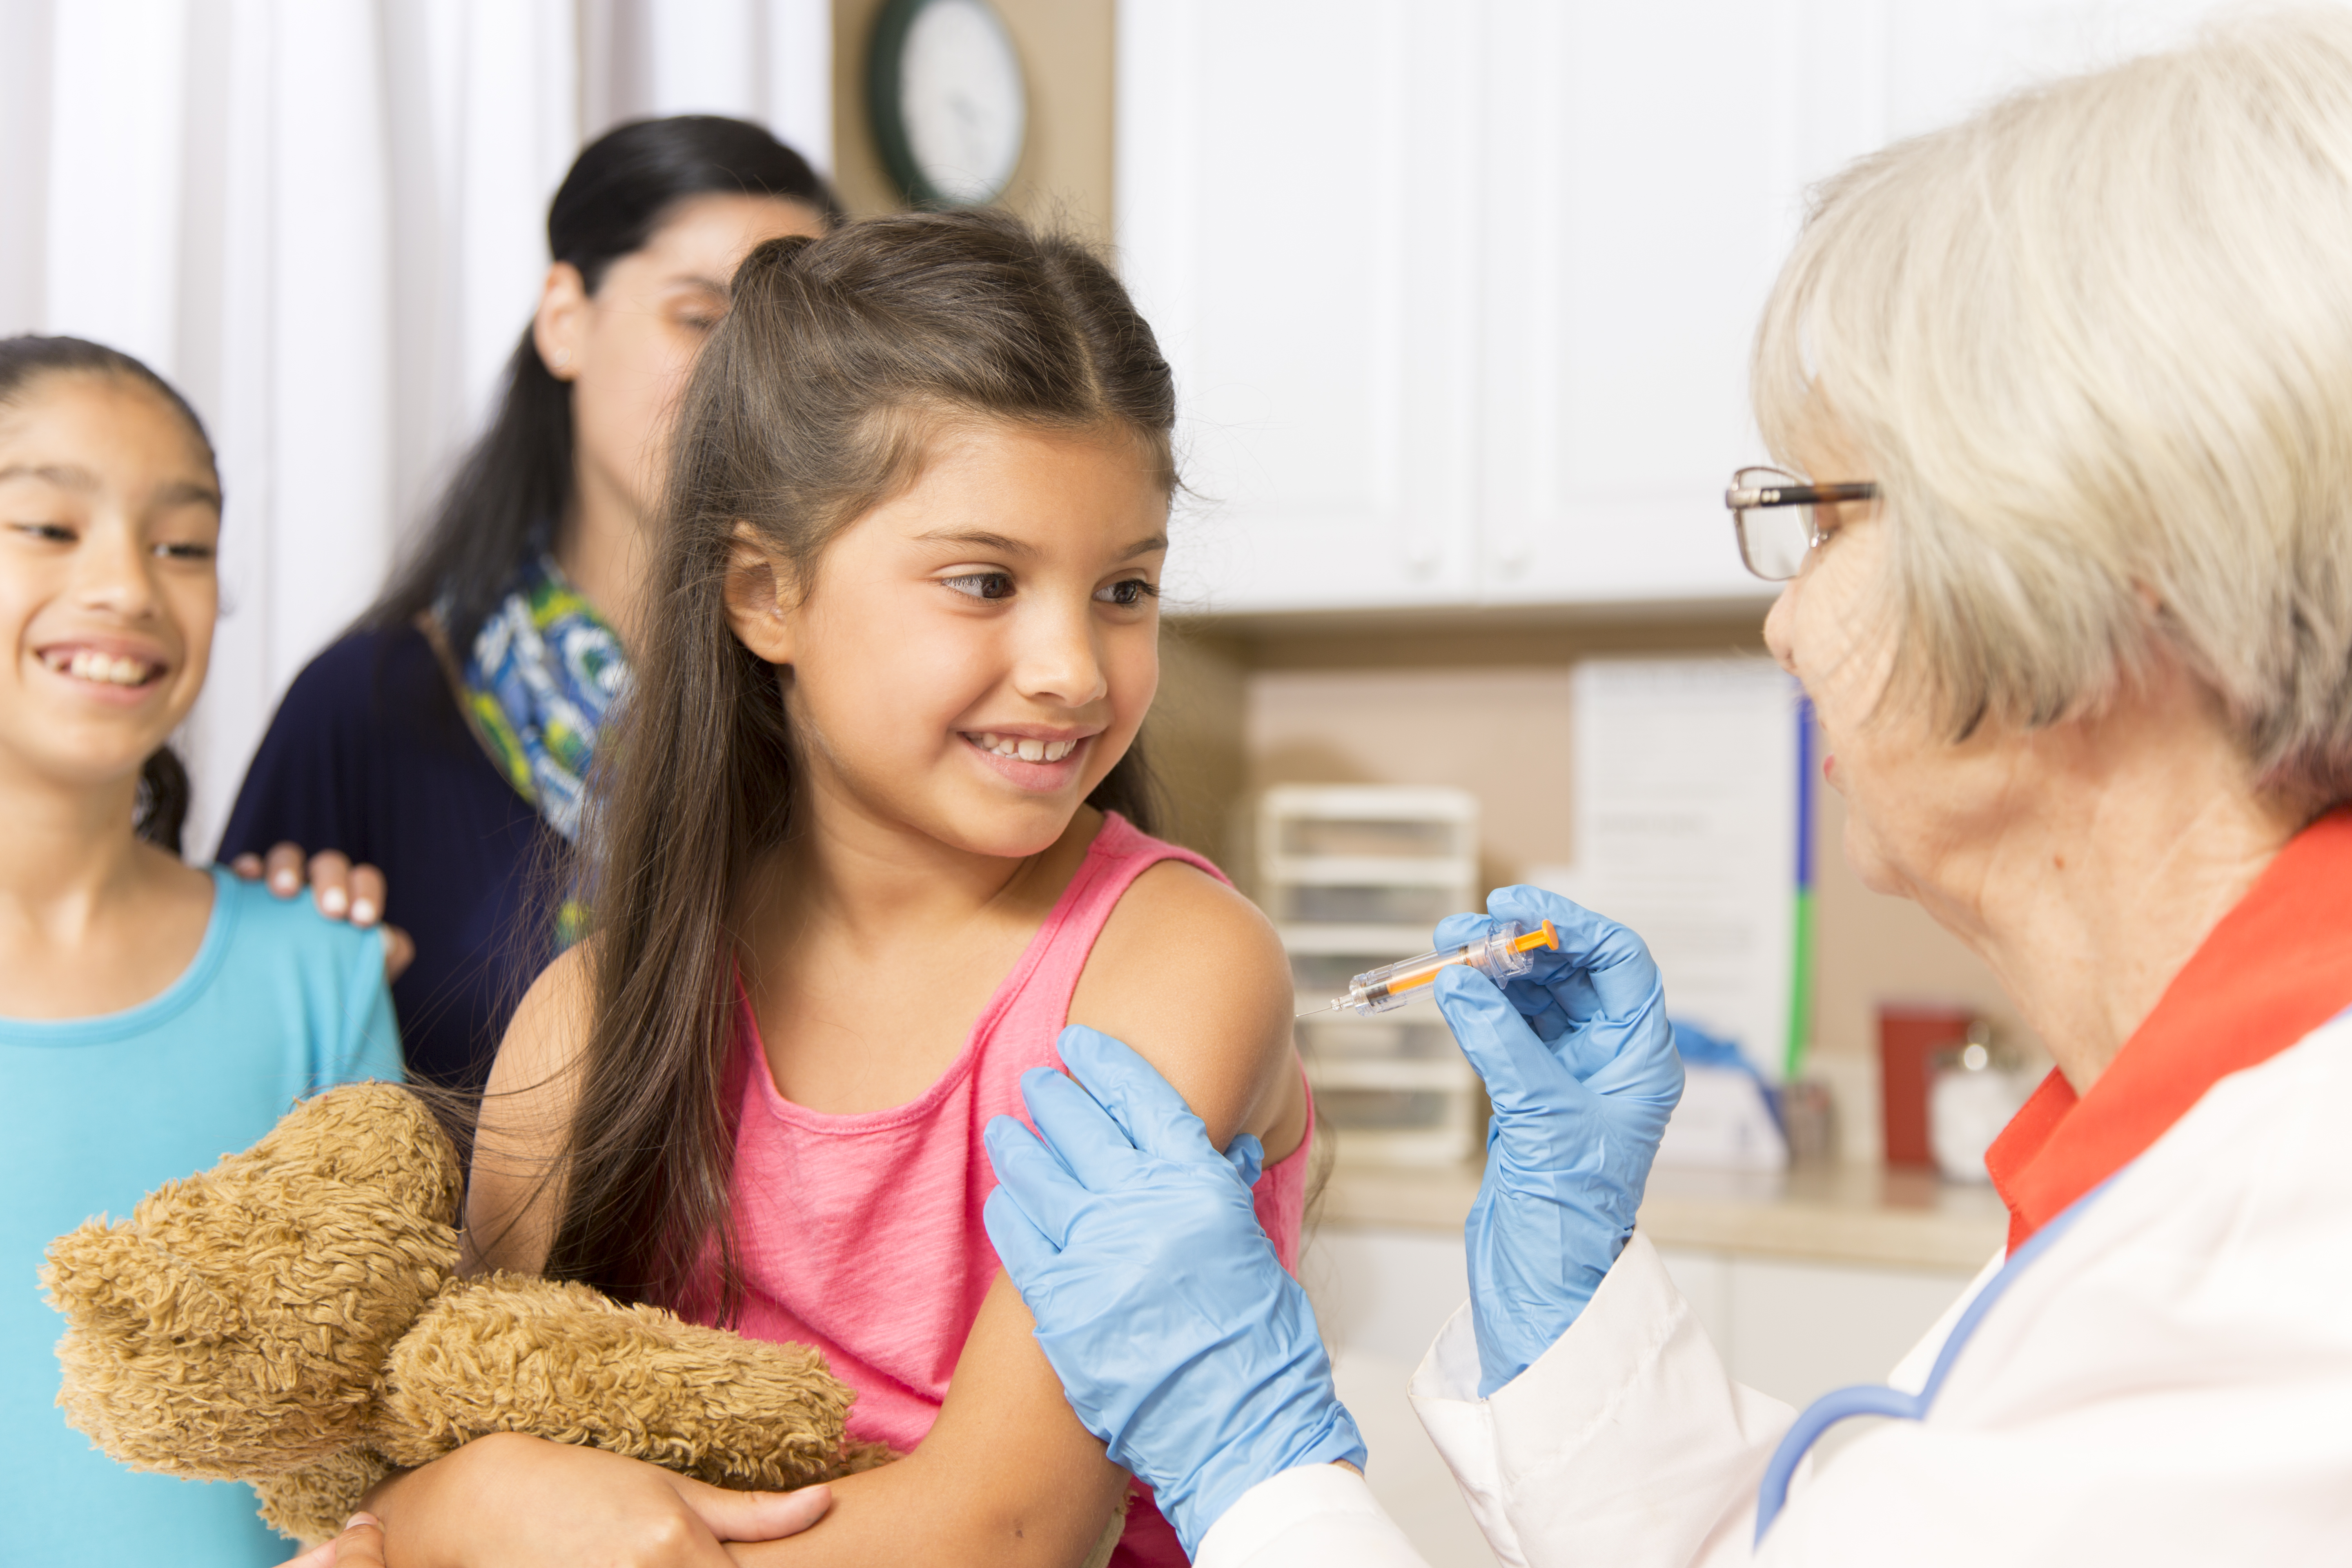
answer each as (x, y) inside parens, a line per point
(861, 1235)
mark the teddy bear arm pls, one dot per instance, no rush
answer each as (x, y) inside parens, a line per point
(311, 1504)
(559, 1360)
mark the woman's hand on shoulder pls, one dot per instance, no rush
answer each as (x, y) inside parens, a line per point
(342, 890)
(516, 1502)
(510, 1198)
(1192, 975)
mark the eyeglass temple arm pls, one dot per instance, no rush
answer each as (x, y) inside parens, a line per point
(1741, 499)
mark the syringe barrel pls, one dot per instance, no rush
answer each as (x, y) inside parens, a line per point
(1394, 985)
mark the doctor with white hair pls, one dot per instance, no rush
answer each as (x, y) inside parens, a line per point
(2063, 396)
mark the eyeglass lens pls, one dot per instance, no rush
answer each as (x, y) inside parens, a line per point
(1774, 539)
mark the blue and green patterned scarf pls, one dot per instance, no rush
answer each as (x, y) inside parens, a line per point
(544, 671)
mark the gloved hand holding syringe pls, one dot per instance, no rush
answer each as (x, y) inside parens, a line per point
(1505, 951)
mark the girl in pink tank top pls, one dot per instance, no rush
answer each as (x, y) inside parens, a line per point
(875, 827)
(887, 1197)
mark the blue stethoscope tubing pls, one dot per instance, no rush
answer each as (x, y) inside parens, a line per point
(1877, 1399)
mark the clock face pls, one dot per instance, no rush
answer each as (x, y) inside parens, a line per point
(961, 105)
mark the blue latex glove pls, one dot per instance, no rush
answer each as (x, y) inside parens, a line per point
(1178, 1337)
(1579, 1062)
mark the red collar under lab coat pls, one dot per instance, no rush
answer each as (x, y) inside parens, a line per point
(2276, 968)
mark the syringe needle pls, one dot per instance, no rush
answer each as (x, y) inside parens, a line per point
(1332, 1006)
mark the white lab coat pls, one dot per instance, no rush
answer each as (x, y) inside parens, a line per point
(2169, 1382)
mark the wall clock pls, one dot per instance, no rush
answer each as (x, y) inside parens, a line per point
(949, 103)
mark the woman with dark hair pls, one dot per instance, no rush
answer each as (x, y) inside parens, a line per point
(446, 737)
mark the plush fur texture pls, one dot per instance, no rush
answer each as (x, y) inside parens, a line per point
(293, 1318)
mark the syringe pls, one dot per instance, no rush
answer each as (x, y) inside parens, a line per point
(1504, 952)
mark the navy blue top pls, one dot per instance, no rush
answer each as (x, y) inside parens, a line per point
(369, 754)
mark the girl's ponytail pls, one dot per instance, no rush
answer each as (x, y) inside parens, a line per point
(163, 792)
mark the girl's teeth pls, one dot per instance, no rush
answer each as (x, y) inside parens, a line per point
(86, 664)
(1027, 751)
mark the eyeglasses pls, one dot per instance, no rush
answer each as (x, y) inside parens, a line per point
(1773, 513)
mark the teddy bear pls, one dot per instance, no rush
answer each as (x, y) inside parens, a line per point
(294, 1317)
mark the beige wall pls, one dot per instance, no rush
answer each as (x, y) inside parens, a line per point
(1498, 732)
(1065, 177)
(1487, 708)
(1195, 737)
(1484, 707)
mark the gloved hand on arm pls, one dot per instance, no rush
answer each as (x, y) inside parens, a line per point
(1178, 1337)
(1580, 1063)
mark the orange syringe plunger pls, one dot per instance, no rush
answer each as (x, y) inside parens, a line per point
(1505, 951)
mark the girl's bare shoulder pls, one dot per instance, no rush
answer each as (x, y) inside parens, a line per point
(550, 1027)
(510, 1199)
(1174, 908)
(1192, 974)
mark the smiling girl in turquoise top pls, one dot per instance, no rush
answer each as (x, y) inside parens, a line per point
(153, 1017)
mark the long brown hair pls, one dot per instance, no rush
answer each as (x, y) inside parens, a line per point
(810, 406)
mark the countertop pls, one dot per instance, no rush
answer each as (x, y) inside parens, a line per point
(1865, 1214)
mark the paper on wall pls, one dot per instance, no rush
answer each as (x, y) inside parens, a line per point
(1685, 821)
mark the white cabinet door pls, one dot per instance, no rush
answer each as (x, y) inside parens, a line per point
(1296, 220)
(1460, 296)
(1943, 62)
(1646, 171)
(1643, 171)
